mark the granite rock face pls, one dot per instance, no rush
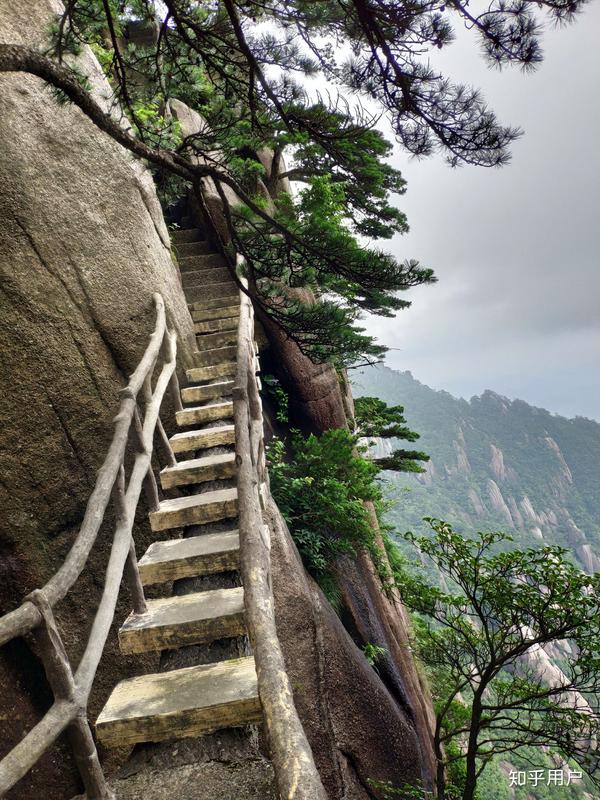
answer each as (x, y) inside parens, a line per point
(83, 245)
(360, 730)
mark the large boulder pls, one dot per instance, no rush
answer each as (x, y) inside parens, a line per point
(83, 246)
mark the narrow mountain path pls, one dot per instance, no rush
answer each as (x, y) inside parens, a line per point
(194, 721)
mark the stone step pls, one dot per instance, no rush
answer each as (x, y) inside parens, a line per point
(224, 370)
(184, 235)
(215, 325)
(216, 355)
(210, 341)
(204, 277)
(173, 559)
(213, 304)
(172, 622)
(197, 415)
(201, 262)
(189, 441)
(199, 470)
(189, 249)
(196, 509)
(224, 294)
(195, 394)
(184, 702)
(201, 314)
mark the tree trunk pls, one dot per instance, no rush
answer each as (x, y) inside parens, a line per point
(438, 749)
(471, 757)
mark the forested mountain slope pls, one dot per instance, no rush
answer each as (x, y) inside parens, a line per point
(495, 464)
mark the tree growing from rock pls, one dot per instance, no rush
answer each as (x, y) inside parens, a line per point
(375, 419)
(242, 64)
(482, 639)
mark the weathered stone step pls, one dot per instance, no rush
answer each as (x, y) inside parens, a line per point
(201, 314)
(189, 441)
(172, 622)
(173, 559)
(204, 277)
(200, 414)
(216, 325)
(195, 394)
(197, 509)
(213, 304)
(199, 470)
(224, 370)
(189, 249)
(216, 355)
(181, 235)
(225, 294)
(184, 702)
(210, 341)
(201, 261)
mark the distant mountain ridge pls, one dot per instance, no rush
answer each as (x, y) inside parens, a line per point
(496, 464)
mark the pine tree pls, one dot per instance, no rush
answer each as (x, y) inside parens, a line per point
(242, 65)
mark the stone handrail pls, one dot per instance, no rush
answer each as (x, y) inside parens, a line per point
(295, 771)
(72, 690)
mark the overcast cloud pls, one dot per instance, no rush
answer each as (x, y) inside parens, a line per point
(516, 249)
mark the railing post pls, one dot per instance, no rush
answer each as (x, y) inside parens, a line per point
(169, 356)
(86, 758)
(60, 677)
(164, 439)
(132, 573)
(150, 485)
(136, 587)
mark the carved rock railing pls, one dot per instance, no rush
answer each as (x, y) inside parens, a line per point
(72, 689)
(293, 763)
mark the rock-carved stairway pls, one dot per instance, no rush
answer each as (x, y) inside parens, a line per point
(201, 491)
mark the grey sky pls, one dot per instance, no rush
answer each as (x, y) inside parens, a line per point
(517, 249)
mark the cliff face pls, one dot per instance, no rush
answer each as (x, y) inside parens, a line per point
(497, 464)
(358, 727)
(82, 247)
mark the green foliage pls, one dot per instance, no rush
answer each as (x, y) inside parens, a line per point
(321, 483)
(278, 397)
(387, 791)
(320, 487)
(374, 418)
(476, 637)
(373, 653)
(244, 78)
(154, 127)
(320, 253)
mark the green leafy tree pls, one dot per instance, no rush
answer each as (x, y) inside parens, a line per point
(320, 485)
(481, 637)
(374, 419)
(241, 64)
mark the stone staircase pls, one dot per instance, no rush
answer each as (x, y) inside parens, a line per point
(194, 700)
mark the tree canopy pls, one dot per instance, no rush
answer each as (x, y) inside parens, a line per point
(374, 419)
(482, 635)
(246, 66)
